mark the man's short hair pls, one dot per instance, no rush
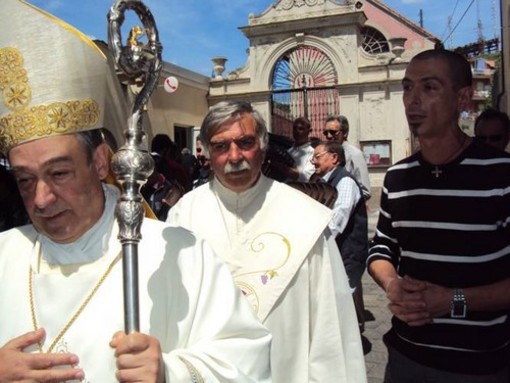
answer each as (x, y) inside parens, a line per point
(303, 121)
(334, 147)
(90, 140)
(493, 114)
(342, 120)
(160, 143)
(459, 68)
(226, 111)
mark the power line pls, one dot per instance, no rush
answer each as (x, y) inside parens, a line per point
(461, 18)
(448, 26)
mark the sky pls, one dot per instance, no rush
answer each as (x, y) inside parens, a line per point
(194, 31)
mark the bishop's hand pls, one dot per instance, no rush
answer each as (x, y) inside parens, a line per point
(19, 366)
(139, 358)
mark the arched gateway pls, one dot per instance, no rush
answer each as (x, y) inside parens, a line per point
(303, 85)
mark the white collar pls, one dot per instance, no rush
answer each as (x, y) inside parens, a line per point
(236, 202)
(326, 176)
(91, 245)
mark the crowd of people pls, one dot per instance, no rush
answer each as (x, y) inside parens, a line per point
(244, 278)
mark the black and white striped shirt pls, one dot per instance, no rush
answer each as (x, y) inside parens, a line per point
(450, 225)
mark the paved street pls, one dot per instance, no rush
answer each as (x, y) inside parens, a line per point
(377, 319)
(377, 323)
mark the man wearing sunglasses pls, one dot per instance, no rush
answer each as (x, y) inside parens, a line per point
(278, 247)
(336, 128)
(493, 127)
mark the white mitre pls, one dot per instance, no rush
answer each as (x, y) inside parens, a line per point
(52, 77)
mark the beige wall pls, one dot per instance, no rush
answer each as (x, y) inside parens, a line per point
(186, 107)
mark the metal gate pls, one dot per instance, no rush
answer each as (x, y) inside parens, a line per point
(304, 85)
(316, 104)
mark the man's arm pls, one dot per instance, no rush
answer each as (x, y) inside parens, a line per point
(360, 172)
(406, 296)
(220, 339)
(346, 200)
(139, 358)
(490, 297)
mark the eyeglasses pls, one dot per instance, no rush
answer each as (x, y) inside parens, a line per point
(334, 133)
(243, 143)
(315, 157)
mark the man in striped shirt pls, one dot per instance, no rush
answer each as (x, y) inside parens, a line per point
(442, 245)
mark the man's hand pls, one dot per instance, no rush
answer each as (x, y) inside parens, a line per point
(139, 358)
(18, 366)
(437, 298)
(407, 300)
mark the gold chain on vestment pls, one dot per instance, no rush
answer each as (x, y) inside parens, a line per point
(75, 315)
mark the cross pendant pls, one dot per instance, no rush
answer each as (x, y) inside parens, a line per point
(436, 172)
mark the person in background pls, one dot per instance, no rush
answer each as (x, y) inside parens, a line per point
(163, 147)
(493, 127)
(349, 225)
(62, 286)
(301, 152)
(441, 250)
(190, 162)
(160, 193)
(278, 247)
(204, 171)
(336, 128)
(12, 211)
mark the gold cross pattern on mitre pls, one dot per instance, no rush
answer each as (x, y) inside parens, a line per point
(52, 77)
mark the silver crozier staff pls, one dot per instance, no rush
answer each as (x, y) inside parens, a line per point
(140, 64)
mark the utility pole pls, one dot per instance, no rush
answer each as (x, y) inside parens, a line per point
(421, 18)
(449, 29)
(479, 24)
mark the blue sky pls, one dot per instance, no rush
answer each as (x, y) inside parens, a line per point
(193, 31)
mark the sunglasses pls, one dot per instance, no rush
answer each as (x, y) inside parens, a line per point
(327, 132)
(243, 143)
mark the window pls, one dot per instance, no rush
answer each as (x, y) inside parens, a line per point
(377, 153)
(373, 41)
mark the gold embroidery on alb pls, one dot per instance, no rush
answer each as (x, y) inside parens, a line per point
(36, 121)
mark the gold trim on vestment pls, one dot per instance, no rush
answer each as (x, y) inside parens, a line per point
(193, 372)
(32, 122)
(79, 310)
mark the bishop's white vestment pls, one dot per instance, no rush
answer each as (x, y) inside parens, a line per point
(187, 300)
(272, 238)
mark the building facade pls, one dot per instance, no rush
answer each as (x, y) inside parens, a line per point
(309, 58)
(323, 57)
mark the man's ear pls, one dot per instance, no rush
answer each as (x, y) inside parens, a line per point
(336, 159)
(101, 160)
(465, 96)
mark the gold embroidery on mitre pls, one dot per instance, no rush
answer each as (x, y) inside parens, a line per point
(38, 121)
(16, 92)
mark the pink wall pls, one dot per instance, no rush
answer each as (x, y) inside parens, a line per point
(390, 26)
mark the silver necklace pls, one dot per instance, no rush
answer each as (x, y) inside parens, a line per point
(437, 170)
